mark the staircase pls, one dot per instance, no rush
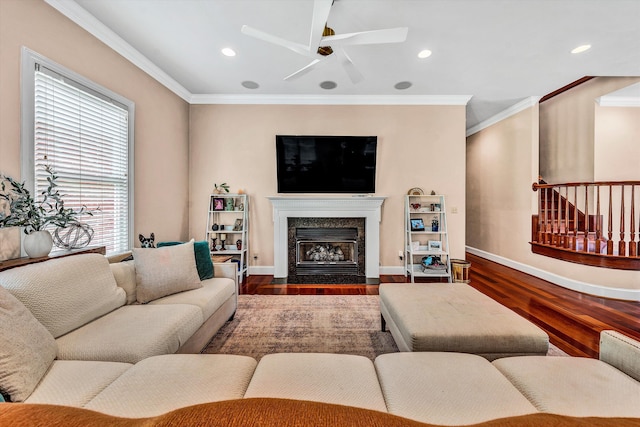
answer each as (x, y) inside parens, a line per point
(572, 225)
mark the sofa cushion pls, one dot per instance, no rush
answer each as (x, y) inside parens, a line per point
(76, 382)
(202, 255)
(65, 293)
(447, 388)
(210, 297)
(343, 379)
(574, 386)
(132, 333)
(163, 383)
(165, 271)
(27, 349)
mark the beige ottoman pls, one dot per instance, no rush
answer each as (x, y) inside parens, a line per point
(454, 317)
(341, 379)
(447, 388)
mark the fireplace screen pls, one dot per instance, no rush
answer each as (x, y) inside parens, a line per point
(326, 251)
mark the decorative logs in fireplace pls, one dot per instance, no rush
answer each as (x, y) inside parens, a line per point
(326, 251)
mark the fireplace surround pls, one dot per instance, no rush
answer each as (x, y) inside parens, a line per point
(367, 207)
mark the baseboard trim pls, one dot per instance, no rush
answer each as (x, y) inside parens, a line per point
(565, 282)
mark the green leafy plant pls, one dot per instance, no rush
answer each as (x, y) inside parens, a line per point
(222, 187)
(34, 215)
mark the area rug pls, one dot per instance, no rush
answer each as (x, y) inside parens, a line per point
(345, 324)
(264, 324)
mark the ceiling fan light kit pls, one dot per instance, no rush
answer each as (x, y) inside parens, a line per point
(323, 42)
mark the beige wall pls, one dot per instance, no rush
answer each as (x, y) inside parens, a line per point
(418, 146)
(161, 121)
(617, 143)
(567, 123)
(501, 166)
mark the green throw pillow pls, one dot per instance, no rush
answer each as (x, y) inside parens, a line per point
(203, 257)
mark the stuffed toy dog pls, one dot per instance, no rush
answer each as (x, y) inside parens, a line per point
(147, 243)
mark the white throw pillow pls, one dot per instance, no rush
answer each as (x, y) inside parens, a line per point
(27, 349)
(165, 271)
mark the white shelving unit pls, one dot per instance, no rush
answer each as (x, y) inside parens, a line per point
(423, 239)
(228, 219)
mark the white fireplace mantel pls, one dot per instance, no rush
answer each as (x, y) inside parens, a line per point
(367, 207)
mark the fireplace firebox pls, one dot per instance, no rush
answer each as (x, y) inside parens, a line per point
(326, 251)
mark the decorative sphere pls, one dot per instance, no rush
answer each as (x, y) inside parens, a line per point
(73, 236)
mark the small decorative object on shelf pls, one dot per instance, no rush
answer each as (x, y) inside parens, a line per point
(73, 236)
(229, 205)
(214, 227)
(218, 204)
(238, 225)
(415, 206)
(213, 244)
(435, 223)
(239, 244)
(222, 188)
(415, 191)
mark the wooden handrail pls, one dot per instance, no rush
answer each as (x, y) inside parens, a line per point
(577, 226)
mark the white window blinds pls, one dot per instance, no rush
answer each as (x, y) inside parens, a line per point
(84, 136)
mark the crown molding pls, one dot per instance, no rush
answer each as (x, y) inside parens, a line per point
(84, 19)
(332, 99)
(514, 109)
(618, 101)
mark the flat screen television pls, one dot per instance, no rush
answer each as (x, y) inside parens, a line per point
(326, 164)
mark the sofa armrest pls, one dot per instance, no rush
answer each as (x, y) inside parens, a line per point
(621, 352)
(226, 269)
(125, 274)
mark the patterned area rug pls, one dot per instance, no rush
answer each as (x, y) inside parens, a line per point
(266, 324)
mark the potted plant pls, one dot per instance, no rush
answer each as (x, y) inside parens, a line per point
(35, 215)
(222, 188)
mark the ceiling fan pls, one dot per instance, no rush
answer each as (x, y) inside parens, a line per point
(323, 41)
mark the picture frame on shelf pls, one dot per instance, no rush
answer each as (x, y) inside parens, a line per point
(237, 226)
(417, 224)
(434, 245)
(218, 204)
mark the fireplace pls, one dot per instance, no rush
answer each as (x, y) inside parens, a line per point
(290, 212)
(326, 250)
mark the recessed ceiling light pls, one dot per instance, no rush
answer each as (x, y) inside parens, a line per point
(581, 48)
(424, 54)
(227, 51)
(250, 85)
(403, 85)
(328, 84)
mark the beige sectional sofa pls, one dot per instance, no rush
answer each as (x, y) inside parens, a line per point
(148, 380)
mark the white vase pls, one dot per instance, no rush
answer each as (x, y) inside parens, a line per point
(38, 244)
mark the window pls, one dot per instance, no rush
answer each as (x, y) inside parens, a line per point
(85, 133)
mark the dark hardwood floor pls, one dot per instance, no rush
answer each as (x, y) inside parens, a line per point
(572, 319)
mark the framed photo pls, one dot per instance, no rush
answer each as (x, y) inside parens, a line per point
(238, 225)
(434, 245)
(218, 204)
(417, 224)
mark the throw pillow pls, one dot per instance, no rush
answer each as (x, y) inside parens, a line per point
(203, 257)
(27, 349)
(165, 271)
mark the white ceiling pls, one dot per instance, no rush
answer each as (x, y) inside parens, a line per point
(500, 52)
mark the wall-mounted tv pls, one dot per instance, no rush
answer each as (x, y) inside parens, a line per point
(326, 164)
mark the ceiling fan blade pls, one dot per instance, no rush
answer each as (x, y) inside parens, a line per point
(302, 71)
(270, 38)
(389, 35)
(321, 9)
(355, 75)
